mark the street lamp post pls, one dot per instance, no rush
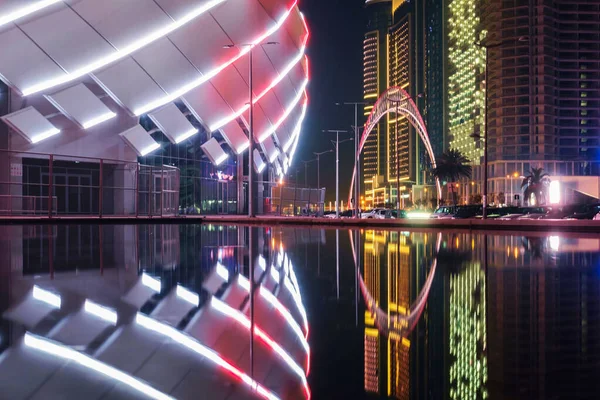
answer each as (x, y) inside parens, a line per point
(319, 166)
(306, 170)
(356, 154)
(250, 120)
(337, 166)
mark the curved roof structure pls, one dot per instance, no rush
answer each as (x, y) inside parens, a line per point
(88, 70)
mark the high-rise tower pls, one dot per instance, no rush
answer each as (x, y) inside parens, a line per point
(544, 90)
(374, 161)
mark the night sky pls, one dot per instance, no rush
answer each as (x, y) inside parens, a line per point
(335, 57)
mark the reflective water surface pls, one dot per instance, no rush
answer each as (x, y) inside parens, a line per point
(164, 311)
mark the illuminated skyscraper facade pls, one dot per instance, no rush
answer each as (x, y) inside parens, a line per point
(544, 95)
(374, 155)
(466, 66)
(407, 52)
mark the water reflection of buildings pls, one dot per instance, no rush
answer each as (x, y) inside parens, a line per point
(394, 271)
(149, 312)
(543, 316)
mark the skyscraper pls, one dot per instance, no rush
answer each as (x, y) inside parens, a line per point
(404, 46)
(374, 161)
(466, 65)
(544, 94)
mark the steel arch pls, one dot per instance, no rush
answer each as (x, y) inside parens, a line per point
(397, 98)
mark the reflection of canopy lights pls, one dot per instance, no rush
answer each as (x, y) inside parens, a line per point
(46, 296)
(204, 351)
(245, 322)
(222, 272)
(286, 315)
(211, 74)
(554, 242)
(275, 274)
(22, 12)
(101, 312)
(188, 296)
(151, 282)
(67, 353)
(118, 54)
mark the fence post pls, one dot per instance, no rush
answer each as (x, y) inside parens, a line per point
(162, 188)
(50, 184)
(137, 191)
(100, 189)
(151, 199)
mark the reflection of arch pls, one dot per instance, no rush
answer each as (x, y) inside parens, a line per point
(397, 325)
(392, 99)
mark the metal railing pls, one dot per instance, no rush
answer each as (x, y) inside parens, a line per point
(37, 184)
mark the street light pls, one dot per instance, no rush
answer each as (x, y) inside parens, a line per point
(250, 119)
(478, 136)
(337, 165)
(319, 166)
(356, 153)
(306, 170)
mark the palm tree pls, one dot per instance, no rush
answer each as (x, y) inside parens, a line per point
(451, 166)
(535, 186)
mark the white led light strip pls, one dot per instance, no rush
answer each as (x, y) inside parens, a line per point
(118, 54)
(101, 312)
(245, 322)
(149, 149)
(220, 160)
(275, 82)
(287, 112)
(22, 12)
(66, 353)
(204, 351)
(297, 129)
(45, 135)
(186, 135)
(209, 75)
(99, 119)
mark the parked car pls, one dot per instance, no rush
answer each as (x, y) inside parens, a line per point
(343, 214)
(444, 212)
(377, 213)
(399, 214)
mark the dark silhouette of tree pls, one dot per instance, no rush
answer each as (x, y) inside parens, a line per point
(452, 165)
(536, 183)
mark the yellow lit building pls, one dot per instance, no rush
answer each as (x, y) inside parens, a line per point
(373, 157)
(387, 265)
(466, 66)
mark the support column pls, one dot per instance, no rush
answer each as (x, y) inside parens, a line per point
(240, 183)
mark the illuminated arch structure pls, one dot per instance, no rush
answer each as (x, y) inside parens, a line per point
(396, 98)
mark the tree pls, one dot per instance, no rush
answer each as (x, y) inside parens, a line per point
(501, 198)
(452, 165)
(535, 186)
